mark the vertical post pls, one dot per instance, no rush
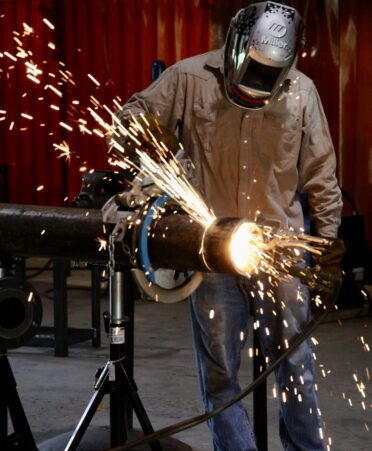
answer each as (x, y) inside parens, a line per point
(259, 396)
(118, 399)
(60, 307)
(129, 295)
(96, 308)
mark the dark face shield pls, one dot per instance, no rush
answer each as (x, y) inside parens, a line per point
(259, 79)
(261, 47)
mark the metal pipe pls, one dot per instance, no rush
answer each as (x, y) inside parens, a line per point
(54, 232)
(179, 243)
(175, 241)
(60, 232)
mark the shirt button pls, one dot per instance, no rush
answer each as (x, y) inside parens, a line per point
(247, 116)
(245, 141)
(244, 167)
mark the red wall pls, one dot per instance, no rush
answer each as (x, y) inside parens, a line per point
(116, 41)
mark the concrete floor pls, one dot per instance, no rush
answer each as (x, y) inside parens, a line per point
(55, 390)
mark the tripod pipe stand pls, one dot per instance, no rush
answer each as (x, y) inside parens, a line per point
(115, 379)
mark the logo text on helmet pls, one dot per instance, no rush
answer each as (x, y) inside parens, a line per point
(275, 42)
(277, 29)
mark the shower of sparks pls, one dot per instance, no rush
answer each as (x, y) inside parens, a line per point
(158, 163)
(137, 143)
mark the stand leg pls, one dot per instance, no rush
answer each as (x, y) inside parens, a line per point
(101, 390)
(118, 411)
(9, 401)
(3, 422)
(117, 388)
(138, 406)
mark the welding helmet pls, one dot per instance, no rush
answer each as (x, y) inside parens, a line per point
(261, 46)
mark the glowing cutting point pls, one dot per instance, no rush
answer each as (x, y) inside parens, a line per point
(246, 247)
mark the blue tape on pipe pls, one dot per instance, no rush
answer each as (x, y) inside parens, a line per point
(143, 252)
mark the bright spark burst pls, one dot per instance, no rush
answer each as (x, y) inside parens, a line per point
(27, 30)
(64, 149)
(32, 71)
(102, 244)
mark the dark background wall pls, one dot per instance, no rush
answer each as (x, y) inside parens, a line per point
(116, 41)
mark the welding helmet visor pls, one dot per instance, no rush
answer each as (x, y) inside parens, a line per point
(261, 46)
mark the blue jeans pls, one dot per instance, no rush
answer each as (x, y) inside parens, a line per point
(220, 311)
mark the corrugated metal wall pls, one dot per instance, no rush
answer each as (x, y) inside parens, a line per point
(116, 41)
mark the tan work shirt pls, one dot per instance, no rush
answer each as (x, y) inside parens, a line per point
(250, 160)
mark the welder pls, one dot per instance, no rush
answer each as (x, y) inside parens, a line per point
(255, 129)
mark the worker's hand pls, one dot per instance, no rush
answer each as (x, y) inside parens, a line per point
(330, 260)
